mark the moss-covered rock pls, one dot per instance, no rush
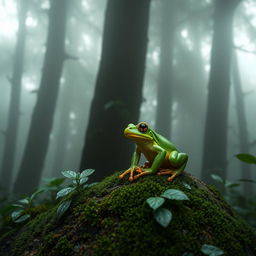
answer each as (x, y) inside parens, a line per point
(113, 218)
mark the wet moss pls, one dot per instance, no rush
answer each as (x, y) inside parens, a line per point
(112, 218)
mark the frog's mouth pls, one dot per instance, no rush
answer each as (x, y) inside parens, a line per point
(132, 135)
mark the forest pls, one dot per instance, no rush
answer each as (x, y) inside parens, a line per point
(74, 76)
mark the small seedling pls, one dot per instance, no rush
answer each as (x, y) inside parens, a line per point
(162, 215)
(79, 180)
(24, 206)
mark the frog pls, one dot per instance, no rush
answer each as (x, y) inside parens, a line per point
(162, 156)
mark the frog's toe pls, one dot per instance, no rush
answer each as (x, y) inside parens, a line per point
(121, 176)
(170, 179)
(165, 172)
(143, 173)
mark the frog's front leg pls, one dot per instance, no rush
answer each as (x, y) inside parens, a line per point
(179, 161)
(134, 162)
(156, 163)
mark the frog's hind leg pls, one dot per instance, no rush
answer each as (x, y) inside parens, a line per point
(165, 172)
(178, 160)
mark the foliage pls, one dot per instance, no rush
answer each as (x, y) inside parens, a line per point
(23, 207)
(79, 180)
(113, 218)
(52, 186)
(162, 215)
(245, 205)
(211, 250)
(247, 158)
(207, 249)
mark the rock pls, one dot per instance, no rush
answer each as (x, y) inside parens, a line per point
(113, 218)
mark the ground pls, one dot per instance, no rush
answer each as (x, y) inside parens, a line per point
(113, 218)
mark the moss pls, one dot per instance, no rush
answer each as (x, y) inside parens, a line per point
(112, 218)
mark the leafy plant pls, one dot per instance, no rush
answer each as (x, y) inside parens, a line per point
(162, 215)
(52, 186)
(211, 250)
(24, 206)
(78, 184)
(225, 183)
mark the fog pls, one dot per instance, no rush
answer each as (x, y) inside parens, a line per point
(191, 29)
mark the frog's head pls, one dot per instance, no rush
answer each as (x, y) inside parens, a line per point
(139, 133)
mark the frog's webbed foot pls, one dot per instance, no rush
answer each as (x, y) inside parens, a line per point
(142, 173)
(131, 171)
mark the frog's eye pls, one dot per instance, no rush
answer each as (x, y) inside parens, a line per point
(143, 127)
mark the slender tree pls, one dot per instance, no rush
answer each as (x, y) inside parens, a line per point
(215, 137)
(118, 92)
(242, 123)
(164, 97)
(42, 118)
(14, 108)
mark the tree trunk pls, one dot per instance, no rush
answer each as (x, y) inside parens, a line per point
(164, 97)
(242, 125)
(14, 109)
(118, 92)
(215, 137)
(42, 118)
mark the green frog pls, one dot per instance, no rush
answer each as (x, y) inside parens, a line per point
(163, 157)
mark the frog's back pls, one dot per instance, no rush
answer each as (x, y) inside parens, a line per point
(164, 143)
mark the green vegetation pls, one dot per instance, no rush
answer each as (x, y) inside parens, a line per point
(79, 183)
(24, 206)
(162, 215)
(113, 218)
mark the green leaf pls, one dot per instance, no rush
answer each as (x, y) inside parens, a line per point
(22, 218)
(24, 201)
(155, 202)
(76, 181)
(247, 180)
(63, 207)
(36, 193)
(55, 182)
(217, 178)
(69, 174)
(18, 205)
(187, 254)
(186, 185)
(175, 194)
(92, 184)
(163, 216)
(16, 214)
(211, 250)
(83, 180)
(231, 184)
(246, 158)
(64, 192)
(86, 173)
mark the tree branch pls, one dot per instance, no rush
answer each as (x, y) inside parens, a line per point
(244, 50)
